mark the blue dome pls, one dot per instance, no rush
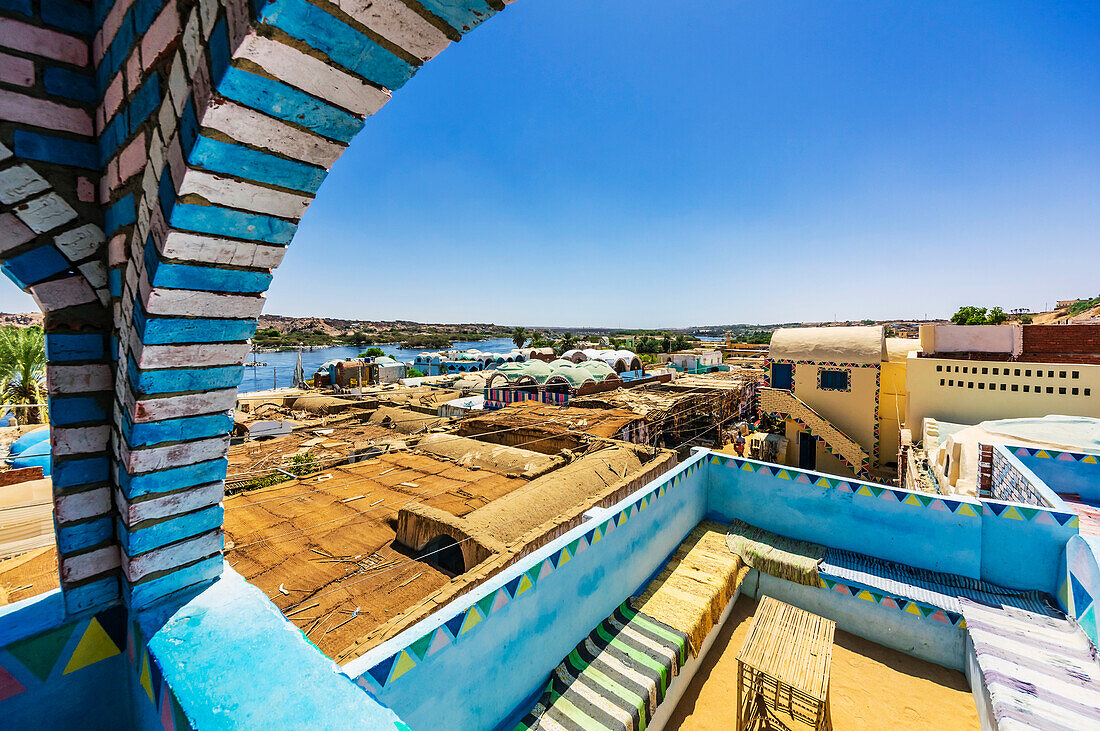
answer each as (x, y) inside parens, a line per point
(29, 439)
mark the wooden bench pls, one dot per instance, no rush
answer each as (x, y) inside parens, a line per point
(783, 667)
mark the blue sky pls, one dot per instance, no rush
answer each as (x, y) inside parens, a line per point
(635, 164)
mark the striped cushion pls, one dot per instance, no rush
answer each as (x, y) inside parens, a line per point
(614, 678)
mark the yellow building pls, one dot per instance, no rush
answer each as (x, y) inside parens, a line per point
(841, 392)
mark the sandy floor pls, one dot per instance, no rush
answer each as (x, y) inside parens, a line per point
(871, 687)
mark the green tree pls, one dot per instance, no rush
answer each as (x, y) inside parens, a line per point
(997, 316)
(682, 342)
(538, 340)
(970, 316)
(413, 373)
(373, 353)
(519, 336)
(1026, 319)
(23, 371)
(567, 341)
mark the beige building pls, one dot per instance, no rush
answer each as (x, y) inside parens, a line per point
(841, 394)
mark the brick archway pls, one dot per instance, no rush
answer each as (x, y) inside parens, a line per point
(188, 137)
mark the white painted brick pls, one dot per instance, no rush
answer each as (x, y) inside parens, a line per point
(151, 459)
(398, 23)
(87, 565)
(169, 557)
(192, 43)
(58, 294)
(45, 213)
(78, 379)
(166, 506)
(243, 195)
(181, 356)
(95, 273)
(208, 11)
(19, 182)
(156, 153)
(177, 85)
(104, 296)
(142, 227)
(175, 407)
(116, 250)
(167, 118)
(312, 75)
(80, 242)
(190, 303)
(82, 505)
(5, 153)
(79, 440)
(12, 233)
(258, 130)
(212, 250)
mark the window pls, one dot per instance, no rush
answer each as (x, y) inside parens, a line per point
(1050, 389)
(941, 381)
(1061, 374)
(1015, 387)
(1075, 391)
(939, 368)
(1077, 374)
(1027, 389)
(1050, 374)
(970, 384)
(1017, 371)
(966, 369)
(997, 371)
(1027, 372)
(1062, 391)
(1088, 391)
(950, 383)
(981, 386)
(1002, 387)
(985, 371)
(782, 376)
(834, 380)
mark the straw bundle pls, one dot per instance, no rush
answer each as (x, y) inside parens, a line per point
(783, 558)
(695, 585)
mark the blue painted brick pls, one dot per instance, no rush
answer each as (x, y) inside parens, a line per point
(219, 50)
(139, 540)
(144, 102)
(166, 194)
(189, 128)
(93, 595)
(226, 222)
(23, 7)
(164, 331)
(287, 103)
(462, 15)
(61, 347)
(175, 478)
(67, 15)
(70, 84)
(113, 135)
(68, 411)
(223, 157)
(145, 12)
(119, 214)
(175, 430)
(35, 146)
(79, 536)
(339, 41)
(77, 472)
(177, 380)
(214, 279)
(114, 282)
(149, 591)
(36, 265)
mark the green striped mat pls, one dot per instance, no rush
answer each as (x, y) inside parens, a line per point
(614, 678)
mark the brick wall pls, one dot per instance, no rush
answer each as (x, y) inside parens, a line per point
(1062, 343)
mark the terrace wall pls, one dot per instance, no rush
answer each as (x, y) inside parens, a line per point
(488, 651)
(1066, 473)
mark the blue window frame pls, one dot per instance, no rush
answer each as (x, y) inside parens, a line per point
(834, 380)
(782, 376)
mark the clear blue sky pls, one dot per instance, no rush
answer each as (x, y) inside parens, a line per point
(636, 164)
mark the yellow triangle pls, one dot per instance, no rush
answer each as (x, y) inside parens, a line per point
(146, 677)
(564, 557)
(473, 618)
(1089, 460)
(913, 500)
(1043, 454)
(94, 646)
(965, 509)
(403, 665)
(912, 609)
(1012, 513)
(866, 595)
(524, 585)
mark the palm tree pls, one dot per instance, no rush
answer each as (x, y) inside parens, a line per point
(23, 370)
(538, 340)
(519, 336)
(567, 341)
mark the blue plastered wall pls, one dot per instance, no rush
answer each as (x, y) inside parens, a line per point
(1079, 586)
(482, 655)
(918, 529)
(1064, 472)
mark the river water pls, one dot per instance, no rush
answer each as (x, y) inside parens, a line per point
(279, 370)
